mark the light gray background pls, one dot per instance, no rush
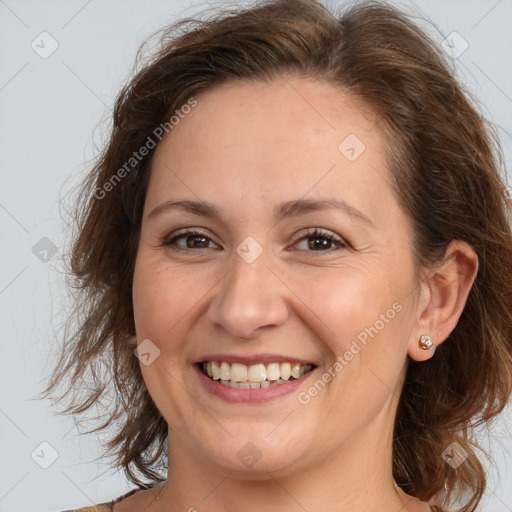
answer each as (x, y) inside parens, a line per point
(49, 125)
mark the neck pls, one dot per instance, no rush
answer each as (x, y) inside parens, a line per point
(355, 477)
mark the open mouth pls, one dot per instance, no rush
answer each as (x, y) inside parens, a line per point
(256, 376)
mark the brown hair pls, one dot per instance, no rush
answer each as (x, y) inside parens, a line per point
(445, 161)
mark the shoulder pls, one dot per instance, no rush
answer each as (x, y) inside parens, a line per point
(104, 507)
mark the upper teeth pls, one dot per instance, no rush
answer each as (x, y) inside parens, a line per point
(237, 372)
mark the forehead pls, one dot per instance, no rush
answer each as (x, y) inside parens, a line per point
(245, 141)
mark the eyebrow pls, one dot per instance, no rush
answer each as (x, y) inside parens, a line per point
(284, 210)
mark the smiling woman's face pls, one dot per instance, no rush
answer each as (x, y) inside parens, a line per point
(251, 285)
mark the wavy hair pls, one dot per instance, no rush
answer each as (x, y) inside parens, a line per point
(446, 164)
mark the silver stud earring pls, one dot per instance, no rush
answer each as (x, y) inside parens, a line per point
(426, 342)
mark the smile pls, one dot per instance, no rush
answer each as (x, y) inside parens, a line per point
(256, 376)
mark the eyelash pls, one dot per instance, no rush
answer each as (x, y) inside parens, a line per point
(311, 233)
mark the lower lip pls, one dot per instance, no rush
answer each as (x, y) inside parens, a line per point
(236, 395)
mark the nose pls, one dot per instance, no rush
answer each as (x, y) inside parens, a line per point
(251, 296)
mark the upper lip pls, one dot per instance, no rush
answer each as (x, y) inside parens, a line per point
(253, 359)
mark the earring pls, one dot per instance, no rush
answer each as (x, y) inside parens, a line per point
(426, 342)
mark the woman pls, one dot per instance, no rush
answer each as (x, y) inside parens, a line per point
(299, 228)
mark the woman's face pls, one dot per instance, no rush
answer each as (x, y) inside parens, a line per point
(252, 292)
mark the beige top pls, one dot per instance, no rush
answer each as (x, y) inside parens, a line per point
(104, 507)
(109, 506)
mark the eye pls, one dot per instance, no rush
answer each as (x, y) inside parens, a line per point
(317, 240)
(322, 241)
(193, 240)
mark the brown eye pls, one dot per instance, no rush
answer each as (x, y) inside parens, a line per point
(193, 240)
(322, 241)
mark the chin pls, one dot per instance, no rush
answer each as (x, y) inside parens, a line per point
(277, 464)
(257, 450)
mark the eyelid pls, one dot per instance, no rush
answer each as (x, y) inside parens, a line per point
(316, 231)
(183, 232)
(339, 242)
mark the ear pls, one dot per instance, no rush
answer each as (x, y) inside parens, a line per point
(442, 297)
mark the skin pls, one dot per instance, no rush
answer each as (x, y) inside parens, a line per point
(247, 147)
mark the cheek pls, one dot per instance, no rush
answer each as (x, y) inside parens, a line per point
(363, 323)
(346, 300)
(162, 297)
